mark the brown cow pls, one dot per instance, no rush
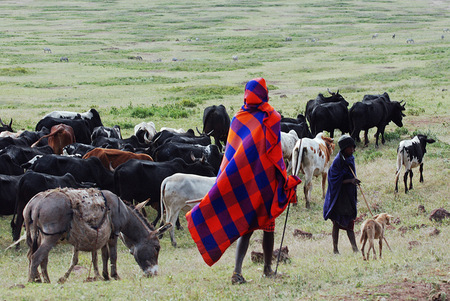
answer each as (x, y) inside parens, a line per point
(60, 136)
(111, 158)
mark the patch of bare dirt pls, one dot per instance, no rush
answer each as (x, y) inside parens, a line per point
(402, 291)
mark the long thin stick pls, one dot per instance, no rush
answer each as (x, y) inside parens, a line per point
(360, 189)
(282, 237)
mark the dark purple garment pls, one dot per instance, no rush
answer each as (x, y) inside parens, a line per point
(340, 200)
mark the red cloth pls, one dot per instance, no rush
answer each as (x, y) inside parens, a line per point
(252, 187)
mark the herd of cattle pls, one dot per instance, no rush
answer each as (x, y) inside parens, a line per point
(171, 166)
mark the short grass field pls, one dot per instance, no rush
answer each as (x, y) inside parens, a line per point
(301, 48)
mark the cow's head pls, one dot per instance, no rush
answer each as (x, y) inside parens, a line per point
(6, 127)
(423, 142)
(397, 113)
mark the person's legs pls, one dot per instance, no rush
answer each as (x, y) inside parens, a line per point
(351, 237)
(268, 241)
(241, 250)
(335, 235)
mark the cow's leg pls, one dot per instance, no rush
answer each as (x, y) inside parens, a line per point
(377, 135)
(17, 225)
(366, 138)
(172, 219)
(405, 180)
(307, 191)
(382, 137)
(421, 172)
(113, 257)
(396, 183)
(324, 183)
(72, 265)
(410, 179)
(105, 258)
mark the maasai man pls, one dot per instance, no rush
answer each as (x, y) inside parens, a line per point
(252, 187)
(341, 197)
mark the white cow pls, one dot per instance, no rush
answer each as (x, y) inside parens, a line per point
(145, 131)
(288, 141)
(180, 130)
(312, 158)
(176, 190)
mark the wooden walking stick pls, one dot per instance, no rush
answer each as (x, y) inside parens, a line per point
(368, 207)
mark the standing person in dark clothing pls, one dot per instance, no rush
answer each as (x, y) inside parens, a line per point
(341, 197)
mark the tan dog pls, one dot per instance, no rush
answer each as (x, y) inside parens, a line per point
(374, 229)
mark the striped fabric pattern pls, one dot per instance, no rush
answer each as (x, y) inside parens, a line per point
(252, 187)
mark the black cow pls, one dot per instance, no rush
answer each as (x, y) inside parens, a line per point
(300, 119)
(188, 152)
(301, 129)
(162, 136)
(84, 170)
(216, 122)
(77, 149)
(6, 127)
(23, 154)
(374, 111)
(81, 127)
(103, 131)
(320, 99)
(92, 117)
(8, 190)
(138, 180)
(410, 153)
(30, 137)
(32, 183)
(330, 116)
(9, 167)
(7, 141)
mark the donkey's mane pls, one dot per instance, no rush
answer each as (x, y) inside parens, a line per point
(139, 214)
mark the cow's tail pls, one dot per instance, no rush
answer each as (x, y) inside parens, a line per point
(400, 155)
(297, 155)
(46, 136)
(161, 200)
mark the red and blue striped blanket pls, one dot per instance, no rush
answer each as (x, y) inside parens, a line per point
(252, 187)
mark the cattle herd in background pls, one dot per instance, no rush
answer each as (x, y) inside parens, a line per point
(75, 150)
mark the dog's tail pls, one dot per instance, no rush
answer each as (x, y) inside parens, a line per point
(363, 236)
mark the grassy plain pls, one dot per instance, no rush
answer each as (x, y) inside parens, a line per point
(301, 48)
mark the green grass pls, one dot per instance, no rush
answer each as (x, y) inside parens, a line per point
(187, 51)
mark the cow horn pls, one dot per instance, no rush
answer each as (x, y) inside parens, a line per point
(163, 228)
(192, 156)
(198, 131)
(141, 204)
(330, 91)
(10, 123)
(208, 134)
(1, 122)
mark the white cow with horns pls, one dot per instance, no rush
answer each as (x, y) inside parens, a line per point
(312, 158)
